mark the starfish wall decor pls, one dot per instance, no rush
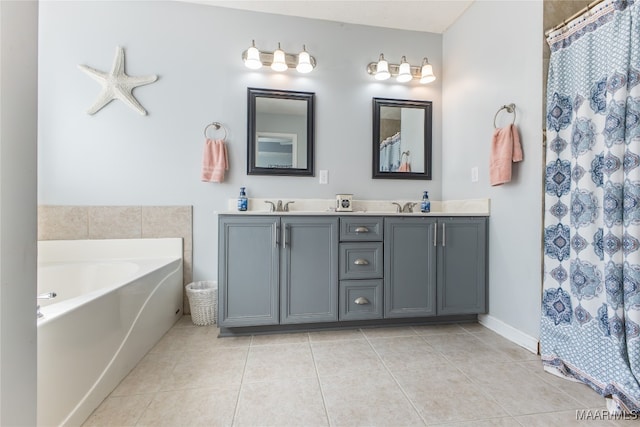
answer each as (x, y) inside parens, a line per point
(117, 85)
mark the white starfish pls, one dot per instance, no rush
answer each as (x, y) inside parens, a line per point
(117, 85)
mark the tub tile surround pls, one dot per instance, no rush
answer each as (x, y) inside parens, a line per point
(471, 207)
(60, 222)
(344, 378)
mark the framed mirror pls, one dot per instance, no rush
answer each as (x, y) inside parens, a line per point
(401, 138)
(280, 132)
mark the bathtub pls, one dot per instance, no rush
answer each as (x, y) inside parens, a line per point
(115, 299)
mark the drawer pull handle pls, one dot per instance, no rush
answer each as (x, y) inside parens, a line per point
(361, 261)
(362, 301)
(361, 230)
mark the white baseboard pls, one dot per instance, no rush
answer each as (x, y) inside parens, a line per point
(509, 332)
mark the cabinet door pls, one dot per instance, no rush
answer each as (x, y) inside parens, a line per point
(410, 267)
(248, 257)
(309, 270)
(462, 265)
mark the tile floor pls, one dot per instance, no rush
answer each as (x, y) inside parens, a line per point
(462, 375)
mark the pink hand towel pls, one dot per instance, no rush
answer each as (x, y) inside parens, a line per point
(404, 167)
(505, 149)
(214, 160)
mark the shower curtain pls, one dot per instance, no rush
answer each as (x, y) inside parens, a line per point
(590, 323)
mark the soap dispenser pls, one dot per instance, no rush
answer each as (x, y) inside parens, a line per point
(425, 206)
(242, 200)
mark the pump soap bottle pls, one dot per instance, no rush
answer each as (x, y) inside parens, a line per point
(242, 200)
(425, 206)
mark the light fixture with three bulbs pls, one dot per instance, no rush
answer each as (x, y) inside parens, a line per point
(403, 72)
(278, 60)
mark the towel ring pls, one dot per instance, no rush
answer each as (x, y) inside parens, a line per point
(511, 108)
(216, 126)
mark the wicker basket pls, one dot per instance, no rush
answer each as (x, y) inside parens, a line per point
(203, 297)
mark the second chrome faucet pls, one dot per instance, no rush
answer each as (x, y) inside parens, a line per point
(407, 208)
(278, 206)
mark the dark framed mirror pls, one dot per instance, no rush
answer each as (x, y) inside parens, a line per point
(280, 132)
(402, 138)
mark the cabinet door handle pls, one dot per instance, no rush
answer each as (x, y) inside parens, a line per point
(286, 235)
(444, 235)
(361, 301)
(361, 230)
(435, 234)
(276, 235)
(361, 261)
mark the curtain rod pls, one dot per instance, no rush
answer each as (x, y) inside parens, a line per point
(574, 16)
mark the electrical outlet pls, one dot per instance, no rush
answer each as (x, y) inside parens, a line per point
(474, 174)
(324, 177)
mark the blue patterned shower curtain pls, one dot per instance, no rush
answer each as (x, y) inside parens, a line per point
(590, 327)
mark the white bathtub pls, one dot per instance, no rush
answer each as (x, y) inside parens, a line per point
(115, 300)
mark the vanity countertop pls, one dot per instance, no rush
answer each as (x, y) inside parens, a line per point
(472, 207)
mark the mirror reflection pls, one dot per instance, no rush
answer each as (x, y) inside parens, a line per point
(401, 139)
(277, 150)
(280, 140)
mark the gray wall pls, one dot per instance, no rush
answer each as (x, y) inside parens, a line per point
(18, 125)
(117, 157)
(493, 57)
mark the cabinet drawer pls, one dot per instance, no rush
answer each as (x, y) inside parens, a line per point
(361, 260)
(360, 299)
(364, 229)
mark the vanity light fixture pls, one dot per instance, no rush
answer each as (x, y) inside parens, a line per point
(403, 72)
(278, 60)
(426, 72)
(252, 59)
(304, 61)
(279, 63)
(382, 69)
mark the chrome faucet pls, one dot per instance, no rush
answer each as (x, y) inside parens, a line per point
(46, 295)
(408, 207)
(278, 206)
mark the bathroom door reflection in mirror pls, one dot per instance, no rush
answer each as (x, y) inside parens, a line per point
(280, 132)
(401, 139)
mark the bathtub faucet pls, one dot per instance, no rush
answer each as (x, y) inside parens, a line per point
(47, 295)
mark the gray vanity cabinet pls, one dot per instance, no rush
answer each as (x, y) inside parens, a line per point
(462, 250)
(298, 269)
(410, 266)
(309, 270)
(248, 265)
(277, 270)
(361, 268)
(435, 266)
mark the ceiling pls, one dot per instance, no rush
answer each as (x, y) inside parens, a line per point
(419, 15)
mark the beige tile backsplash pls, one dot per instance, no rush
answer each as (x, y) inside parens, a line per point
(120, 222)
(115, 222)
(63, 222)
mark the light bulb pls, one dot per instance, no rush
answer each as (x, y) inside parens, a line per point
(253, 57)
(304, 61)
(404, 72)
(382, 69)
(426, 76)
(279, 63)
